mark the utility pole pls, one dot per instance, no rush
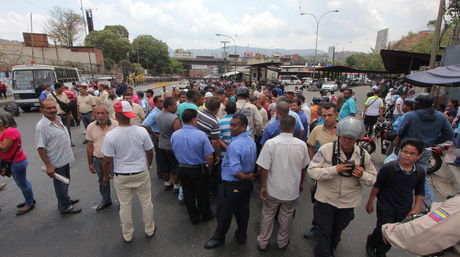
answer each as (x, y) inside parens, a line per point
(437, 33)
(225, 51)
(86, 33)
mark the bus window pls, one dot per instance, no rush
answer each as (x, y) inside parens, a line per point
(23, 79)
(44, 76)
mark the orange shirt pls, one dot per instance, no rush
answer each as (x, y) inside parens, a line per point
(314, 113)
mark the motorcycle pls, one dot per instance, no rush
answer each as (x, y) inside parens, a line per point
(437, 155)
(381, 132)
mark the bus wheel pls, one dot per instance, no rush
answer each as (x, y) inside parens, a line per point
(25, 108)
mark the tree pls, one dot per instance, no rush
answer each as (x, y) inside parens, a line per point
(176, 67)
(151, 53)
(64, 25)
(369, 61)
(118, 30)
(113, 46)
(136, 68)
(108, 63)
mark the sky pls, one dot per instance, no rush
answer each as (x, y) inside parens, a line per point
(193, 24)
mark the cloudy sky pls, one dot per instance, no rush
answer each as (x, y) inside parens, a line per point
(256, 23)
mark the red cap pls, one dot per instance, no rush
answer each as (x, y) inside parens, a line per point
(125, 108)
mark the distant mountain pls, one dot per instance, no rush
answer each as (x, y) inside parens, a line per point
(6, 41)
(241, 50)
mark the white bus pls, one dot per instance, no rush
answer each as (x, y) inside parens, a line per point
(29, 80)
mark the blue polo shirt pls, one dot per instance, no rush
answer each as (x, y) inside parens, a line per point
(241, 156)
(151, 120)
(348, 108)
(190, 145)
(273, 129)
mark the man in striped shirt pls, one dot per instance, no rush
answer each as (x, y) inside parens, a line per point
(208, 123)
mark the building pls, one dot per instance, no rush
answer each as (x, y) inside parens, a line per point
(12, 54)
(181, 53)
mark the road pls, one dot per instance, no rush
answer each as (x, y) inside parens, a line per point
(45, 232)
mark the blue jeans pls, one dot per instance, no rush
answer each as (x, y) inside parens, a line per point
(86, 118)
(103, 189)
(423, 161)
(62, 190)
(18, 171)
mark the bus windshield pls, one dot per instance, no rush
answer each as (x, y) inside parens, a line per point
(29, 79)
(23, 79)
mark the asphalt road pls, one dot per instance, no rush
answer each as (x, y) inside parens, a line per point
(45, 232)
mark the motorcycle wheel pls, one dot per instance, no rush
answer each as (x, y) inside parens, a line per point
(369, 146)
(434, 164)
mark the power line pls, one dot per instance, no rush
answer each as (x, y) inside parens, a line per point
(38, 6)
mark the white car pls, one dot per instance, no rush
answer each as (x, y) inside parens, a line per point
(183, 83)
(289, 80)
(330, 86)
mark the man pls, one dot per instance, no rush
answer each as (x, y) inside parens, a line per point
(53, 145)
(296, 108)
(264, 101)
(143, 102)
(434, 232)
(168, 123)
(2, 90)
(135, 99)
(45, 92)
(95, 135)
(373, 109)
(149, 95)
(151, 124)
(397, 112)
(255, 101)
(319, 136)
(130, 150)
(189, 104)
(137, 109)
(305, 108)
(85, 105)
(389, 97)
(208, 123)
(103, 94)
(349, 105)
(428, 125)
(249, 110)
(283, 161)
(237, 172)
(397, 183)
(223, 101)
(194, 153)
(109, 102)
(62, 101)
(341, 169)
(272, 130)
(182, 97)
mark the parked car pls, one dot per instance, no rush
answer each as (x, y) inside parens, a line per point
(330, 86)
(289, 80)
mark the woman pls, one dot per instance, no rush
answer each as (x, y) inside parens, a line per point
(10, 148)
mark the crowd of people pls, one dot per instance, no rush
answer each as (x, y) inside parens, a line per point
(214, 138)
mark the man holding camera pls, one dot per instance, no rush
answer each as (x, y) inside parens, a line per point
(341, 169)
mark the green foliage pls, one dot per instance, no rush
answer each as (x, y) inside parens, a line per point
(113, 46)
(176, 67)
(108, 63)
(453, 10)
(136, 68)
(119, 30)
(369, 61)
(151, 53)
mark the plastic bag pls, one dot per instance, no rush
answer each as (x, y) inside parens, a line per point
(393, 156)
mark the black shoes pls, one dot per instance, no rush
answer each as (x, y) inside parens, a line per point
(72, 210)
(213, 243)
(74, 201)
(101, 207)
(21, 212)
(20, 205)
(371, 251)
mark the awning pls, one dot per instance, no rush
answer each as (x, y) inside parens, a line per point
(443, 76)
(403, 61)
(343, 69)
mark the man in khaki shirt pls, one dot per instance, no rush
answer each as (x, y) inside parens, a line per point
(62, 97)
(103, 94)
(85, 105)
(249, 110)
(319, 136)
(95, 136)
(137, 109)
(110, 101)
(341, 169)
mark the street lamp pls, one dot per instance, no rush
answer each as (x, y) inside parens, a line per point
(317, 30)
(222, 35)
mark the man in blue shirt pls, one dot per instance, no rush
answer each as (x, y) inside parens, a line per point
(45, 92)
(273, 129)
(150, 123)
(195, 155)
(349, 106)
(235, 191)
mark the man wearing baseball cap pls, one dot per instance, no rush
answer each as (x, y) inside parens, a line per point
(131, 151)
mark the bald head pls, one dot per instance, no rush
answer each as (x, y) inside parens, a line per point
(282, 109)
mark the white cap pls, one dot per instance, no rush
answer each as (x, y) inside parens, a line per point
(208, 94)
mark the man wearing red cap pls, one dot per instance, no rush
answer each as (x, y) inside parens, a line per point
(131, 151)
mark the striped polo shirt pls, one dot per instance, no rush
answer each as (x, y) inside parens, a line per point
(207, 122)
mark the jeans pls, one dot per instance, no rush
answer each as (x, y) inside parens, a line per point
(423, 162)
(62, 190)
(103, 189)
(86, 118)
(18, 171)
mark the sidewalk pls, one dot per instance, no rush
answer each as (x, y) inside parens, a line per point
(8, 99)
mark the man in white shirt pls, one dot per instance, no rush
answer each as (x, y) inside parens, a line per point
(373, 108)
(283, 161)
(398, 106)
(130, 149)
